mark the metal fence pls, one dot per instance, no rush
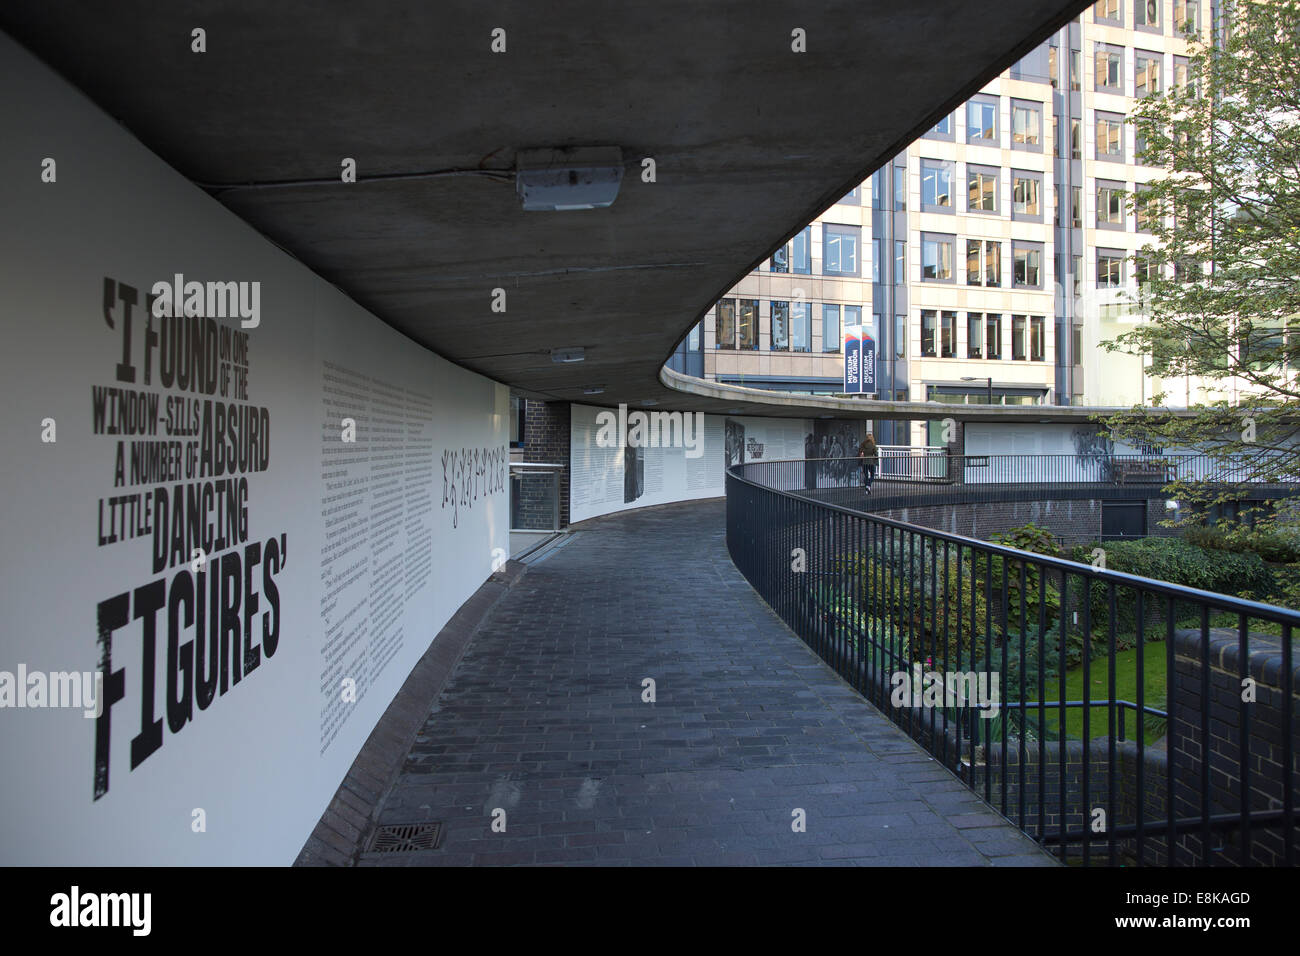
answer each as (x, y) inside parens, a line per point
(1114, 718)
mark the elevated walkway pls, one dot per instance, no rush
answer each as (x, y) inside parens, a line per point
(544, 719)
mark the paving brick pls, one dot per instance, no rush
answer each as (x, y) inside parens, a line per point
(543, 717)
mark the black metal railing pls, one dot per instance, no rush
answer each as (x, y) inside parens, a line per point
(933, 465)
(1016, 670)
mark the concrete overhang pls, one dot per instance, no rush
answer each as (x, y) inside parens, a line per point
(750, 140)
(738, 400)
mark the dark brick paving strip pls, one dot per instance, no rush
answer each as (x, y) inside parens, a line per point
(543, 718)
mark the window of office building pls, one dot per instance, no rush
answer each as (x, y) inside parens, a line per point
(1144, 270)
(726, 324)
(1146, 73)
(1018, 338)
(1148, 213)
(1027, 265)
(1026, 125)
(900, 261)
(1074, 69)
(830, 327)
(941, 129)
(982, 189)
(747, 325)
(1110, 268)
(852, 316)
(1110, 137)
(900, 188)
(1146, 14)
(974, 335)
(1108, 69)
(1034, 66)
(853, 197)
(936, 185)
(936, 257)
(929, 333)
(780, 326)
(1076, 139)
(1076, 266)
(1110, 204)
(982, 120)
(1183, 74)
(948, 334)
(1140, 148)
(1026, 196)
(1076, 207)
(900, 339)
(875, 260)
(801, 252)
(878, 189)
(1037, 338)
(1187, 16)
(993, 335)
(1108, 11)
(801, 327)
(780, 260)
(983, 262)
(840, 249)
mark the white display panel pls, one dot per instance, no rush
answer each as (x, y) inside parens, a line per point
(608, 476)
(338, 560)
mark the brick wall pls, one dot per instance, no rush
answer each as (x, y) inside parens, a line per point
(1265, 717)
(546, 439)
(1072, 521)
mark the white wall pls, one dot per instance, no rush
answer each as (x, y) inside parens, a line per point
(358, 598)
(600, 482)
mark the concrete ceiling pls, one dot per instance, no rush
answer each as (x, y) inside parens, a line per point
(750, 140)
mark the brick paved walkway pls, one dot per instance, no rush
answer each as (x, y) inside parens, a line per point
(543, 718)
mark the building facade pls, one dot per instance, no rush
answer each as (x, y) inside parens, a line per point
(989, 260)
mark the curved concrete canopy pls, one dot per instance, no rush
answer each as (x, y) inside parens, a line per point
(750, 141)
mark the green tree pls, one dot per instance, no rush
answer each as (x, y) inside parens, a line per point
(1220, 280)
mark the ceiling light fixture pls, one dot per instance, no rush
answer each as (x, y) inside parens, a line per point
(566, 356)
(567, 178)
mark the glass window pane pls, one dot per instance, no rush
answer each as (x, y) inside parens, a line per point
(726, 324)
(830, 327)
(993, 335)
(929, 323)
(780, 325)
(801, 326)
(747, 327)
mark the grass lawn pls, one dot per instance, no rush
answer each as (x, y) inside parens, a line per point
(1125, 689)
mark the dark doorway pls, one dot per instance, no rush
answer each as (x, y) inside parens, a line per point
(1123, 519)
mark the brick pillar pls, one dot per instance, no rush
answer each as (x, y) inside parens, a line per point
(546, 439)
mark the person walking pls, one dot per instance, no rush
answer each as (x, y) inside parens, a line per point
(810, 454)
(869, 455)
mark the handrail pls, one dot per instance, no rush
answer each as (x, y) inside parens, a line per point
(875, 596)
(1270, 612)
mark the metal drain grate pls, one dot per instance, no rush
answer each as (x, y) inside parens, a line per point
(406, 837)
